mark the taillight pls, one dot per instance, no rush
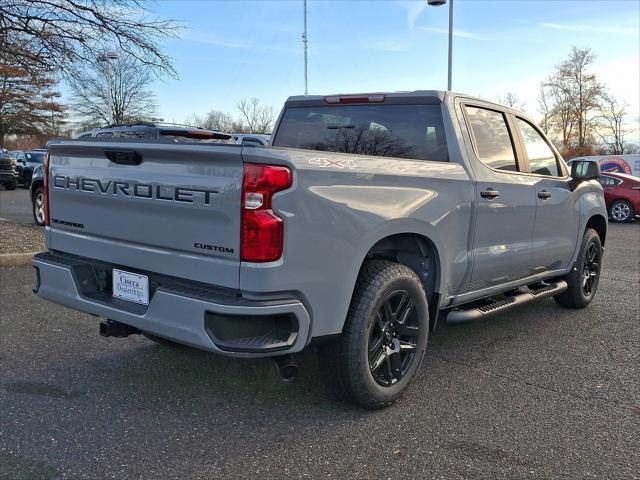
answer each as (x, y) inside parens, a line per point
(262, 231)
(46, 189)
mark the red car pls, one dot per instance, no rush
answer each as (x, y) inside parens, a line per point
(622, 194)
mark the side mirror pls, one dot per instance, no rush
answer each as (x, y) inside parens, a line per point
(585, 170)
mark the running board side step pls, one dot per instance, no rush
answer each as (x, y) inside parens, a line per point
(461, 315)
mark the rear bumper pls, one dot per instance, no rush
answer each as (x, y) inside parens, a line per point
(180, 311)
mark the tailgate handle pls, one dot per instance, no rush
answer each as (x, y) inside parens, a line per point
(123, 157)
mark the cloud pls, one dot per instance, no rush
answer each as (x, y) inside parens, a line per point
(235, 44)
(589, 28)
(389, 45)
(456, 33)
(622, 77)
(413, 9)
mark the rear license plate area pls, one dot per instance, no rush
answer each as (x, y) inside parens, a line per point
(129, 286)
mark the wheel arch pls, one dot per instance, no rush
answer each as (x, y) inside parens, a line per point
(599, 224)
(38, 182)
(418, 252)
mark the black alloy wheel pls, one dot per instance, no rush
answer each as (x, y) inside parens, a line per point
(393, 339)
(582, 281)
(384, 337)
(590, 269)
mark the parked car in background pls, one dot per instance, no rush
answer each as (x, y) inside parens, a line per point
(251, 139)
(622, 195)
(27, 161)
(37, 195)
(158, 131)
(8, 171)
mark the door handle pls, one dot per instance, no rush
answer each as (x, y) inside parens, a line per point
(544, 195)
(489, 193)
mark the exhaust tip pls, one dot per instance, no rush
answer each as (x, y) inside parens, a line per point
(289, 373)
(104, 329)
(287, 368)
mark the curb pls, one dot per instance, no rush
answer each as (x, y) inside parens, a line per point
(16, 259)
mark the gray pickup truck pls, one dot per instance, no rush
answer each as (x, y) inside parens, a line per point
(366, 219)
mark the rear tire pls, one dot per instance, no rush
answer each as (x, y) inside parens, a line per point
(585, 275)
(384, 336)
(621, 211)
(37, 205)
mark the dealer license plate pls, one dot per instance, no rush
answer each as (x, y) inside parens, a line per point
(131, 286)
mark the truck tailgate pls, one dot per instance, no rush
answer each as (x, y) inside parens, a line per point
(158, 207)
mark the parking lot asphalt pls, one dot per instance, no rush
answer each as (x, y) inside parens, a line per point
(15, 205)
(540, 392)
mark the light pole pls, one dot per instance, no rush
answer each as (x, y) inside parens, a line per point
(305, 40)
(106, 58)
(438, 3)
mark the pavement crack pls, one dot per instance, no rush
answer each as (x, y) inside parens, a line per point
(589, 399)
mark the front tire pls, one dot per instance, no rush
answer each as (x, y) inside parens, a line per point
(585, 275)
(11, 185)
(621, 211)
(384, 336)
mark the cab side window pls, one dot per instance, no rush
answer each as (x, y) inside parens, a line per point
(492, 138)
(542, 160)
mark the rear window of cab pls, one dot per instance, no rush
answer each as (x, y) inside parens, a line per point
(406, 131)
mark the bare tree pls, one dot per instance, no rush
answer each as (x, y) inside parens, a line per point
(214, 120)
(126, 99)
(258, 118)
(512, 100)
(544, 108)
(612, 130)
(28, 104)
(561, 116)
(58, 35)
(577, 97)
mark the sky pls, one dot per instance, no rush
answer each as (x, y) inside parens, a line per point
(231, 50)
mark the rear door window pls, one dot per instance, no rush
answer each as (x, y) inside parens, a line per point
(492, 139)
(407, 131)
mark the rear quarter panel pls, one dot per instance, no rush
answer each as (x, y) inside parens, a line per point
(340, 206)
